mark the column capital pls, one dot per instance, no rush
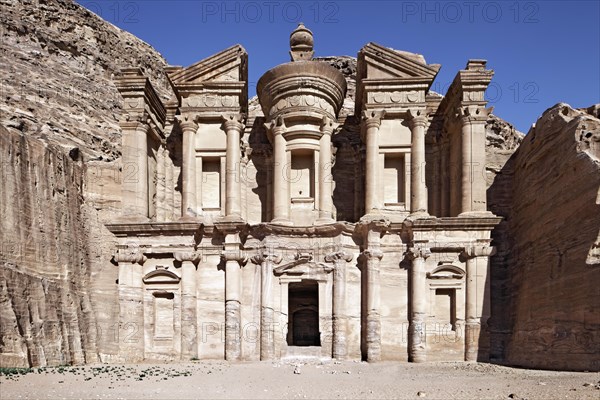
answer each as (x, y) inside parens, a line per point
(372, 253)
(417, 117)
(187, 256)
(328, 126)
(418, 252)
(187, 122)
(477, 251)
(234, 255)
(265, 256)
(372, 118)
(338, 256)
(276, 126)
(141, 123)
(233, 121)
(133, 257)
(474, 114)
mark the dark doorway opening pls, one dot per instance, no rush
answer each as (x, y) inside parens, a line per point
(303, 314)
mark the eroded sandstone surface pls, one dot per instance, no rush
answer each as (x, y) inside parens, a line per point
(548, 300)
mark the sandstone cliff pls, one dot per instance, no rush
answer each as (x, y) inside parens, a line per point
(60, 150)
(547, 267)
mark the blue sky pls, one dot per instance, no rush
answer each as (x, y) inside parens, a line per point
(543, 52)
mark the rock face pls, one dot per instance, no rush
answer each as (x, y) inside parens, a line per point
(60, 147)
(46, 317)
(547, 266)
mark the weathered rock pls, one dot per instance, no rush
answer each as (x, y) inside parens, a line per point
(548, 292)
(60, 107)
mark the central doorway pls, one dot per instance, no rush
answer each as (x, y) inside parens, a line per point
(303, 317)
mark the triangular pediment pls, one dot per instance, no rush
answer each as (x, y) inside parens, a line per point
(230, 65)
(378, 62)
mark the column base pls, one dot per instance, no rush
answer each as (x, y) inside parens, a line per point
(232, 219)
(417, 359)
(190, 218)
(420, 214)
(324, 221)
(477, 214)
(373, 215)
(133, 218)
(282, 221)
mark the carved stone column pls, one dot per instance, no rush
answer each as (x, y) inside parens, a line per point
(233, 127)
(135, 169)
(325, 178)
(266, 261)
(373, 331)
(417, 350)
(340, 318)
(372, 122)
(189, 320)
(131, 304)
(444, 178)
(234, 260)
(477, 307)
(189, 202)
(281, 188)
(473, 159)
(418, 189)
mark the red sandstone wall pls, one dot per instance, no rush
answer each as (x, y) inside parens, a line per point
(552, 290)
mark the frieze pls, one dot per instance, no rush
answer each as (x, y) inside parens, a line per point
(302, 101)
(396, 97)
(210, 100)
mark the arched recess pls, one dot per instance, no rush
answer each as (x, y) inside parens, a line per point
(447, 296)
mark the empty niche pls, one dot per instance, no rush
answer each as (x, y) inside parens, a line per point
(163, 315)
(211, 183)
(393, 177)
(302, 174)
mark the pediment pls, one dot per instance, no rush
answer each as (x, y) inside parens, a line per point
(161, 276)
(447, 271)
(303, 266)
(230, 65)
(381, 63)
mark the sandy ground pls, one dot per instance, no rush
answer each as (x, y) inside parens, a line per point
(298, 380)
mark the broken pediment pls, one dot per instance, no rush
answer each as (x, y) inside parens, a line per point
(303, 265)
(381, 63)
(230, 65)
(447, 271)
(161, 276)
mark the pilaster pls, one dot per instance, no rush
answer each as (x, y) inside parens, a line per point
(371, 123)
(189, 319)
(418, 189)
(266, 260)
(328, 126)
(233, 126)
(340, 318)
(189, 202)
(477, 307)
(417, 350)
(131, 300)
